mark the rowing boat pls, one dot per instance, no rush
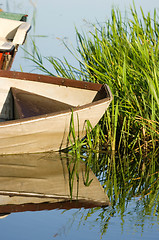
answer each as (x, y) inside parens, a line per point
(13, 32)
(38, 111)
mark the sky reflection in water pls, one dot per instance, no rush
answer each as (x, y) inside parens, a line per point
(57, 224)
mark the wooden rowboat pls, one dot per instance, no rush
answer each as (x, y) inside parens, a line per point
(34, 182)
(36, 111)
(13, 31)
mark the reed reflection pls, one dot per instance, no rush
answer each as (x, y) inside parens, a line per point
(132, 185)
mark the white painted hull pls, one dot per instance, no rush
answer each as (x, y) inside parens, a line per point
(50, 131)
(12, 34)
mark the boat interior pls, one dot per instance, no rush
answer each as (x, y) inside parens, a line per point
(18, 103)
(29, 104)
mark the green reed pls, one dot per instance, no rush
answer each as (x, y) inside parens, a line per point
(125, 56)
(124, 53)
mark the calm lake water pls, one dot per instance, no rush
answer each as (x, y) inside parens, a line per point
(133, 213)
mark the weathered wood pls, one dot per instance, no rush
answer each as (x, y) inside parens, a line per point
(28, 104)
(49, 131)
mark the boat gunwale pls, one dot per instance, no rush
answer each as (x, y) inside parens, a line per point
(51, 80)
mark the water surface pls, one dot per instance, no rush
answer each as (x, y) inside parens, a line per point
(134, 198)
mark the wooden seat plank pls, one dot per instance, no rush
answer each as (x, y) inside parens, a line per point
(27, 104)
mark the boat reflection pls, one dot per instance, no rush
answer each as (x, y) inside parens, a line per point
(34, 182)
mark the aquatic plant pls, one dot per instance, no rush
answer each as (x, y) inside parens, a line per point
(124, 53)
(125, 56)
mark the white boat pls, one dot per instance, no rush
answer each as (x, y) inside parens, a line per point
(36, 111)
(12, 34)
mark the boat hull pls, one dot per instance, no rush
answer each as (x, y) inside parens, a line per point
(49, 131)
(13, 33)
